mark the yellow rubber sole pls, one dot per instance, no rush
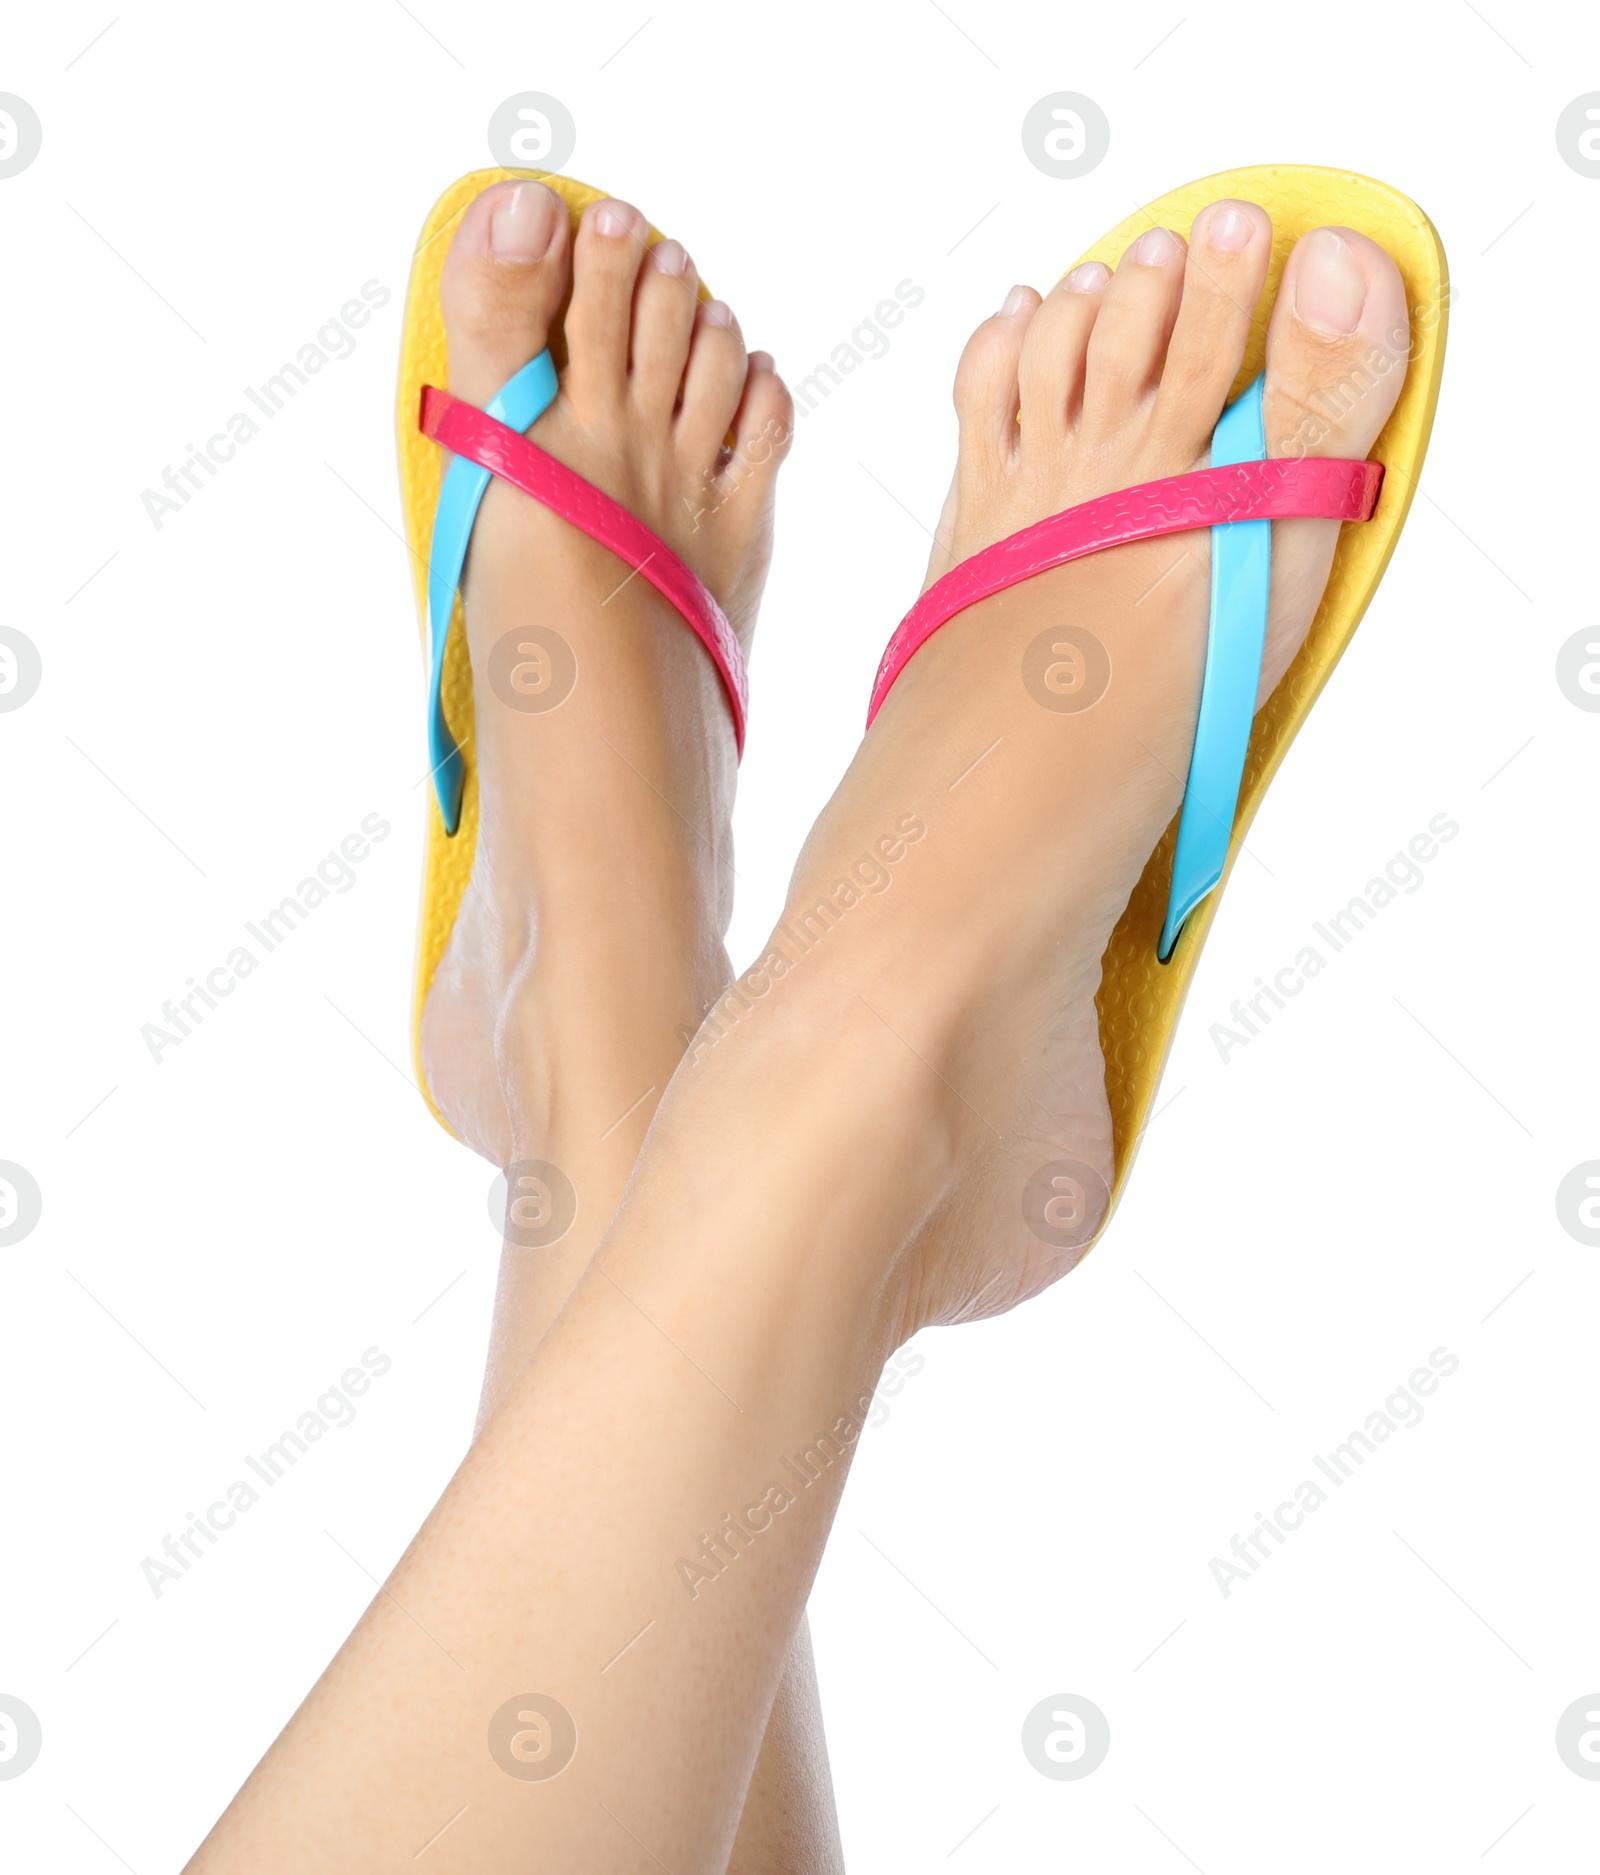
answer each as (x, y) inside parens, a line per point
(447, 865)
(1141, 999)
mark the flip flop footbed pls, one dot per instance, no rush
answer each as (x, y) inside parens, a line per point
(1140, 999)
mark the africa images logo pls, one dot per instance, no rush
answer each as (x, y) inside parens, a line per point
(334, 340)
(335, 1409)
(335, 874)
(1402, 1410)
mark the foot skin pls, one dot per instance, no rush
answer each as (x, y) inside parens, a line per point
(1032, 852)
(590, 937)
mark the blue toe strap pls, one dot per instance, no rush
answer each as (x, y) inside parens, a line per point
(1241, 582)
(521, 400)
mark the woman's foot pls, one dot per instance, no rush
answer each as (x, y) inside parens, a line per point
(590, 938)
(985, 955)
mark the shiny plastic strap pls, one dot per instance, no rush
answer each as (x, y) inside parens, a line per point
(521, 401)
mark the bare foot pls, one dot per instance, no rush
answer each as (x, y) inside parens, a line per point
(590, 936)
(1031, 852)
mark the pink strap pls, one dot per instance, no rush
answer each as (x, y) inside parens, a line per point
(472, 433)
(1330, 489)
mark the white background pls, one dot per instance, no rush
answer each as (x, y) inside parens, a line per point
(1365, 1182)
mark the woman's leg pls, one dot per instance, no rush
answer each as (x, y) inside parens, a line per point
(590, 942)
(625, 1552)
(618, 1566)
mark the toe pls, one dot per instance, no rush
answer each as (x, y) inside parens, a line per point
(1053, 358)
(1136, 317)
(986, 392)
(663, 321)
(502, 284)
(605, 266)
(1337, 346)
(713, 383)
(1229, 251)
(763, 425)
(763, 428)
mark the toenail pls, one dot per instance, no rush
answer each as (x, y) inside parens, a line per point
(670, 257)
(523, 223)
(719, 313)
(613, 218)
(1155, 248)
(762, 361)
(1088, 277)
(1228, 228)
(1329, 288)
(1015, 300)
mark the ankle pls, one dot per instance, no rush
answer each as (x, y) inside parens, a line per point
(592, 1027)
(834, 1014)
(945, 968)
(812, 1085)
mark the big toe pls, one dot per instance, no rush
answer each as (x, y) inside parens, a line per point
(502, 285)
(1337, 346)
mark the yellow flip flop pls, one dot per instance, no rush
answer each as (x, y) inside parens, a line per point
(1152, 955)
(440, 507)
